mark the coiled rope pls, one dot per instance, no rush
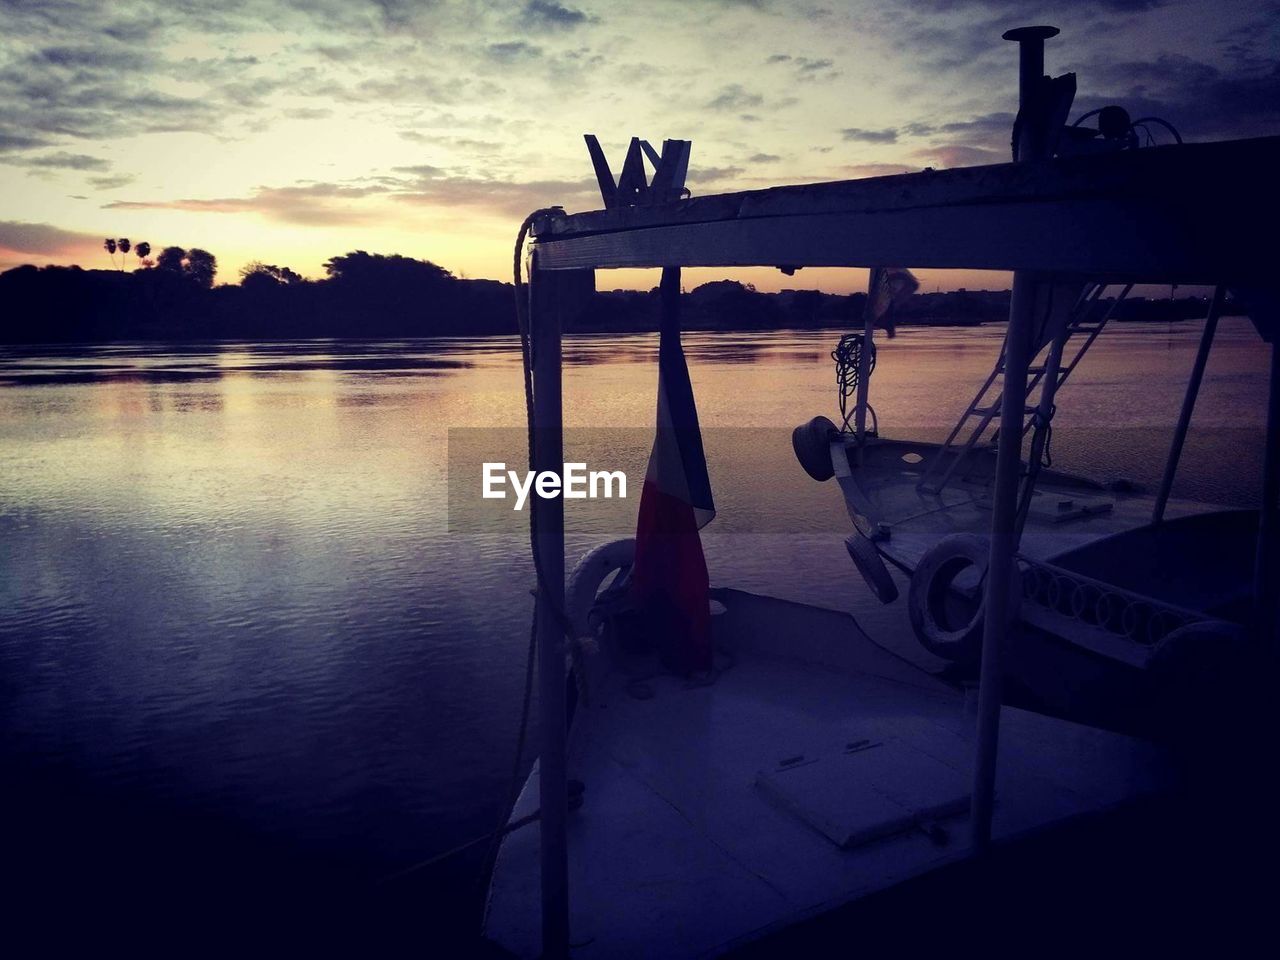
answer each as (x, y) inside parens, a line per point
(848, 358)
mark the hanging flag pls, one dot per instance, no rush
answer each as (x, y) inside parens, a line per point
(669, 579)
(890, 286)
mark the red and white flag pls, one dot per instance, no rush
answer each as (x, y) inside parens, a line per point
(669, 579)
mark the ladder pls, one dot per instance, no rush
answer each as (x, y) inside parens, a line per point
(1046, 374)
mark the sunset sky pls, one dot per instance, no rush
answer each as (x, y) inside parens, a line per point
(288, 132)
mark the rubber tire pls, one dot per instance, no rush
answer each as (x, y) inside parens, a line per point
(929, 583)
(867, 559)
(812, 443)
(583, 584)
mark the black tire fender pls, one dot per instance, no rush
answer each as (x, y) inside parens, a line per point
(867, 559)
(812, 444)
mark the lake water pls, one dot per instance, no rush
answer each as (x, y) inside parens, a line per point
(242, 648)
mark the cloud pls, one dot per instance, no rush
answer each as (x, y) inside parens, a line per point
(397, 14)
(307, 204)
(421, 170)
(306, 113)
(706, 178)
(340, 204)
(959, 155)
(10, 142)
(734, 97)
(808, 66)
(513, 50)
(549, 15)
(806, 69)
(1200, 99)
(66, 161)
(998, 124)
(859, 170)
(113, 182)
(498, 196)
(1027, 6)
(43, 239)
(869, 136)
(749, 81)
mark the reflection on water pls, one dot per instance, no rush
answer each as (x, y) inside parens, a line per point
(68, 365)
(228, 597)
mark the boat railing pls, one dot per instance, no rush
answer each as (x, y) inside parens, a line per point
(1096, 614)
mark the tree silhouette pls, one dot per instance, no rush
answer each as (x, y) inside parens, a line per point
(202, 267)
(257, 273)
(359, 268)
(109, 245)
(143, 250)
(123, 246)
(170, 259)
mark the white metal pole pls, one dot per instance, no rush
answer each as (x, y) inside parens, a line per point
(1188, 404)
(1004, 523)
(548, 422)
(864, 358)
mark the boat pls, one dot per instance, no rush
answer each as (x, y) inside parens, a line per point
(1122, 593)
(815, 767)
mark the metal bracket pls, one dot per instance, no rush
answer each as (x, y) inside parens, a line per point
(632, 188)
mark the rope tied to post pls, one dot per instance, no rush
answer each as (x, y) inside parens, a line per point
(848, 359)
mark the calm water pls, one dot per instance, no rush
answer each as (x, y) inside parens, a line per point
(237, 635)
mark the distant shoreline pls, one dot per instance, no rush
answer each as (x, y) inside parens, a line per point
(373, 297)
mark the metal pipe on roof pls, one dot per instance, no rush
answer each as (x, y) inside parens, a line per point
(1004, 525)
(1188, 404)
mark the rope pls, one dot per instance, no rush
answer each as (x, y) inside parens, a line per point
(526, 351)
(848, 358)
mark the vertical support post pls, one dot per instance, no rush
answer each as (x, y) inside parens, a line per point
(864, 358)
(548, 518)
(1004, 511)
(1188, 404)
(1266, 571)
(1000, 562)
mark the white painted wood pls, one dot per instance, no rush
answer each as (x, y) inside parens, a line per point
(1127, 239)
(876, 790)
(1179, 213)
(676, 853)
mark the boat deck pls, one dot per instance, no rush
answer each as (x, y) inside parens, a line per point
(677, 851)
(1066, 512)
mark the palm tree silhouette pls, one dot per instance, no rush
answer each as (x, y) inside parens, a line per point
(123, 245)
(143, 250)
(109, 245)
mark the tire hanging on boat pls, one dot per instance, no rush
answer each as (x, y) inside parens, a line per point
(934, 594)
(588, 575)
(866, 557)
(812, 444)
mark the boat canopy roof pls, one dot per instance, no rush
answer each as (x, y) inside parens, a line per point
(1185, 213)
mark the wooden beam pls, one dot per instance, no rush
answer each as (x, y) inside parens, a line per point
(1184, 214)
(604, 176)
(633, 186)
